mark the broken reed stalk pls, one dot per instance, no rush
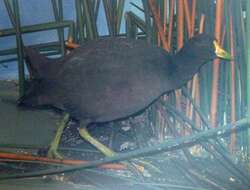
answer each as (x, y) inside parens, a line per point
(216, 66)
(29, 157)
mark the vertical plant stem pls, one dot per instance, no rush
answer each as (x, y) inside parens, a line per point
(216, 66)
(96, 9)
(180, 39)
(79, 21)
(119, 12)
(180, 24)
(193, 15)
(196, 83)
(187, 16)
(248, 72)
(158, 33)
(109, 16)
(130, 27)
(15, 20)
(196, 78)
(147, 21)
(157, 19)
(58, 14)
(165, 8)
(222, 107)
(193, 83)
(202, 24)
(170, 27)
(90, 21)
(233, 87)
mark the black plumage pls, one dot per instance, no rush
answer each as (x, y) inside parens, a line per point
(112, 78)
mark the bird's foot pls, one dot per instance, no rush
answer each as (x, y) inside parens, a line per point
(53, 149)
(101, 147)
(105, 150)
(53, 153)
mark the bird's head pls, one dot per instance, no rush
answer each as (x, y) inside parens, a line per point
(220, 52)
(204, 47)
(198, 51)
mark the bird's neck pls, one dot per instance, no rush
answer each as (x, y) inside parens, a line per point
(186, 67)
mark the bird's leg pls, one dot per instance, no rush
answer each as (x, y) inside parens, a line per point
(101, 147)
(104, 149)
(53, 149)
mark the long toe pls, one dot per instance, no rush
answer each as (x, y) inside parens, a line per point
(53, 153)
(101, 147)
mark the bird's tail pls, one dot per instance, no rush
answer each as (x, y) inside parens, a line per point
(37, 64)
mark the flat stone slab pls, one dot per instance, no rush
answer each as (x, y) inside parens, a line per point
(20, 126)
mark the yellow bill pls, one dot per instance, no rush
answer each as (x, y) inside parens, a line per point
(220, 52)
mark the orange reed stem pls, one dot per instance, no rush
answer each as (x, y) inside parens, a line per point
(187, 16)
(202, 24)
(180, 24)
(196, 84)
(157, 20)
(194, 3)
(180, 39)
(171, 18)
(165, 5)
(233, 87)
(158, 33)
(28, 157)
(191, 84)
(214, 95)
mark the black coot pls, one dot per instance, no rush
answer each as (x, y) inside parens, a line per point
(113, 78)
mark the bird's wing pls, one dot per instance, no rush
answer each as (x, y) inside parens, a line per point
(120, 76)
